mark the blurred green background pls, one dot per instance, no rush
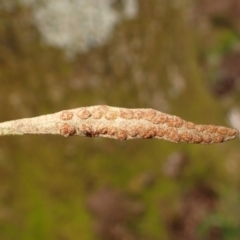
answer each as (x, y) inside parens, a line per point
(180, 57)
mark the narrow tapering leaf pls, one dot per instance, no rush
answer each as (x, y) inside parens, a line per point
(119, 123)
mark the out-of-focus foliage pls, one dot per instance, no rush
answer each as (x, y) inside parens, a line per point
(170, 55)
